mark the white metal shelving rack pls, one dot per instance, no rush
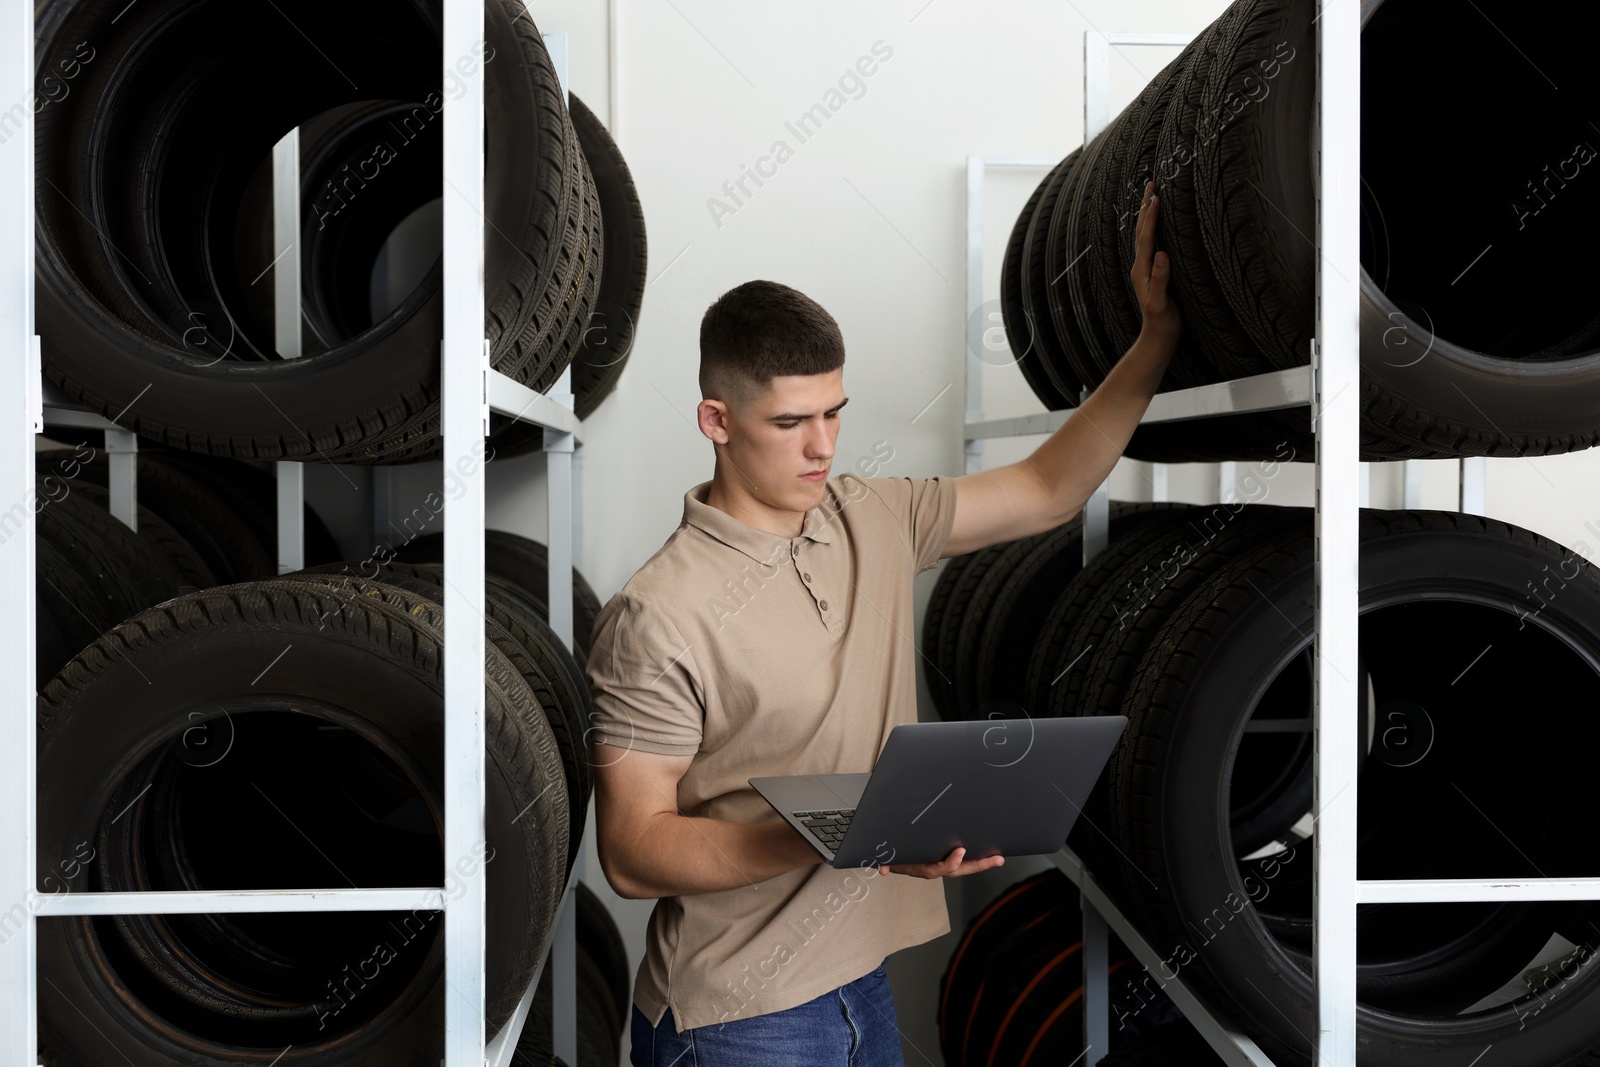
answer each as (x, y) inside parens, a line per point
(471, 391)
(1340, 490)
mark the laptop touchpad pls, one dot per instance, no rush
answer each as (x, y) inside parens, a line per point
(847, 787)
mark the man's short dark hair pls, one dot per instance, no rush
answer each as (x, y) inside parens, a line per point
(761, 330)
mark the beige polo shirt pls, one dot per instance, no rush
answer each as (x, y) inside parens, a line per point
(763, 655)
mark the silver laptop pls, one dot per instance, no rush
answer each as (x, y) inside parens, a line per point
(1000, 787)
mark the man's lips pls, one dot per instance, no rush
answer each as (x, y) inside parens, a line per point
(815, 476)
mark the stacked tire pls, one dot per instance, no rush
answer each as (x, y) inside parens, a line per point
(278, 733)
(208, 724)
(202, 521)
(519, 568)
(604, 1002)
(155, 236)
(1453, 361)
(1197, 624)
(165, 763)
(987, 606)
(517, 626)
(1013, 990)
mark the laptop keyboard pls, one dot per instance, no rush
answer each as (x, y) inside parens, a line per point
(828, 825)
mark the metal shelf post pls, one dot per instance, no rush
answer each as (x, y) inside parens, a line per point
(464, 421)
(19, 362)
(1336, 372)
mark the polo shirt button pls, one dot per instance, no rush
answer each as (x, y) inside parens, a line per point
(824, 605)
(807, 577)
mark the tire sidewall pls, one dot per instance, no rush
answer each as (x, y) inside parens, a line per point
(1244, 959)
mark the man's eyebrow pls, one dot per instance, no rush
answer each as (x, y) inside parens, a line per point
(793, 417)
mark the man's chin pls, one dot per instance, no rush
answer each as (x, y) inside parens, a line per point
(812, 494)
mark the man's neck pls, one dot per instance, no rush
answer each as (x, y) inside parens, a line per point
(736, 501)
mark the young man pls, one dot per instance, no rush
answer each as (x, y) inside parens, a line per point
(771, 634)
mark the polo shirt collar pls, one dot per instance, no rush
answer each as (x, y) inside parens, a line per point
(760, 545)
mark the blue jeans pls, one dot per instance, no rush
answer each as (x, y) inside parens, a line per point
(852, 1026)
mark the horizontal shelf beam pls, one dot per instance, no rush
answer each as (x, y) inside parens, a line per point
(61, 410)
(507, 396)
(1272, 391)
(207, 902)
(1475, 890)
(1233, 1045)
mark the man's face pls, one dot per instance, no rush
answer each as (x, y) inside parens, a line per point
(784, 434)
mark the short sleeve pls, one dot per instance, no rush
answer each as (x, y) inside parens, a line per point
(925, 509)
(641, 673)
(933, 516)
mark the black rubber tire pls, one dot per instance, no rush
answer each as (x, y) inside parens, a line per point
(67, 616)
(535, 652)
(599, 1034)
(608, 340)
(72, 605)
(1193, 282)
(1011, 908)
(1449, 572)
(990, 985)
(340, 240)
(572, 278)
(523, 617)
(1021, 329)
(252, 494)
(1254, 199)
(1016, 596)
(1512, 367)
(1115, 203)
(1075, 311)
(1025, 975)
(126, 575)
(1253, 195)
(1055, 677)
(1052, 242)
(940, 623)
(113, 328)
(1119, 316)
(1059, 664)
(1190, 366)
(526, 563)
(233, 546)
(975, 602)
(1250, 436)
(954, 693)
(163, 540)
(1073, 237)
(1061, 354)
(598, 934)
(606, 1031)
(1207, 318)
(985, 947)
(1098, 632)
(1225, 131)
(583, 286)
(124, 699)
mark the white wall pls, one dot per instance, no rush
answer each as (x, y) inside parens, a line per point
(867, 217)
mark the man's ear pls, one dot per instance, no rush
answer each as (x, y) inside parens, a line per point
(713, 420)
